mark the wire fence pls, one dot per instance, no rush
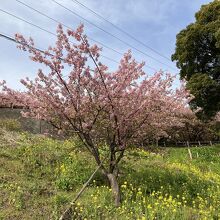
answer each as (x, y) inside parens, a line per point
(27, 124)
(41, 127)
(197, 143)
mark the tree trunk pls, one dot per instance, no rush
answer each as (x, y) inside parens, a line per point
(115, 188)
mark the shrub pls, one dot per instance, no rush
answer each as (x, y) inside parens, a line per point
(10, 124)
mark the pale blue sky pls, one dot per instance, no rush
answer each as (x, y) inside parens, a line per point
(154, 22)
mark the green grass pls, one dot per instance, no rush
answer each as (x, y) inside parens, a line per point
(39, 176)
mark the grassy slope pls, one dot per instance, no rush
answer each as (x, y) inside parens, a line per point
(39, 177)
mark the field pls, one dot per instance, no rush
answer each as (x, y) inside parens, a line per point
(39, 176)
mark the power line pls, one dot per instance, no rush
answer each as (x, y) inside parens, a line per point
(17, 42)
(112, 35)
(32, 24)
(120, 29)
(40, 50)
(49, 32)
(59, 22)
(7, 37)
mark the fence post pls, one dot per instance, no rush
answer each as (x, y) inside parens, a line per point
(199, 143)
(40, 126)
(157, 143)
(211, 143)
(189, 151)
(197, 154)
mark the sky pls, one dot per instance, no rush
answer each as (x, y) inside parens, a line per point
(154, 23)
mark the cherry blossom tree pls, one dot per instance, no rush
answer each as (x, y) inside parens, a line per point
(10, 98)
(100, 106)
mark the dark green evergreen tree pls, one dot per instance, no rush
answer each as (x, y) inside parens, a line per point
(198, 57)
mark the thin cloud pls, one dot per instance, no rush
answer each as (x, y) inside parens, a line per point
(155, 22)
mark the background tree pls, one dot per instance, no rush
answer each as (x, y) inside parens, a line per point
(198, 57)
(101, 107)
(11, 99)
(194, 129)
